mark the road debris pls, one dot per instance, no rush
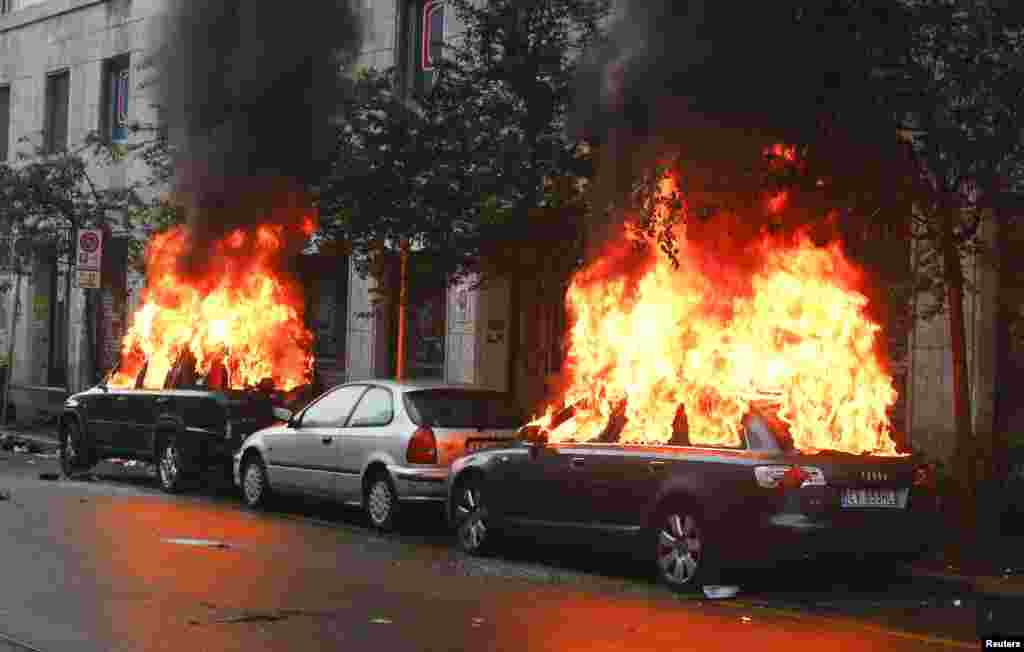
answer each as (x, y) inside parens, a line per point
(720, 591)
(381, 621)
(204, 543)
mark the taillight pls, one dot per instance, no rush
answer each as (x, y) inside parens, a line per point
(924, 476)
(788, 477)
(422, 447)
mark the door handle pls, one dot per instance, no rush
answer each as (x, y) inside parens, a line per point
(326, 440)
(576, 462)
(655, 467)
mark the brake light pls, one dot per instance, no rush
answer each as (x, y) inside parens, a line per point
(788, 477)
(422, 447)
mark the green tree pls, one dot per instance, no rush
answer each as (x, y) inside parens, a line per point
(479, 170)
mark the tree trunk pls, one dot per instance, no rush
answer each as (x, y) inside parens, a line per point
(1005, 364)
(515, 300)
(964, 450)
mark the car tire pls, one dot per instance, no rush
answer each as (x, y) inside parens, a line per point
(171, 467)
(380, 501)
(255, 487)
(683, 559)
(74, 453)
(473, 534)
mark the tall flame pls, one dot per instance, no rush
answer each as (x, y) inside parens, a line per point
(243, 311)
(666, 340)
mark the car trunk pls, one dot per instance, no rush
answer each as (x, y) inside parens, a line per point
(464, 420)
(248, 410)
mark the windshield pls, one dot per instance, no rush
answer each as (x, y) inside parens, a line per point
(461, 408)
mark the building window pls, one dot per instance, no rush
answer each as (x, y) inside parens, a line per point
(114, 117)
(55, 131)
(426, 41)
(5, 6)
(5, 120)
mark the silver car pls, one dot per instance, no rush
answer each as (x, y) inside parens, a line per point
(374, 443)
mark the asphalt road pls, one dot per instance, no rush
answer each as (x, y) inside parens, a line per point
(113, 564)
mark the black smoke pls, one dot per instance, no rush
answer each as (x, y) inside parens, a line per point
(711, 83)
(248, 91)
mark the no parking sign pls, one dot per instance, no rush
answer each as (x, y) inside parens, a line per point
(90, 257)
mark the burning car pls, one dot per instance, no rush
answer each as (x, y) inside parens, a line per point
(735, 391)
(190, 421)
(693, 509)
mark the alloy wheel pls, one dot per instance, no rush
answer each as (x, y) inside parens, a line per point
(170, 467)
(254, 484)
(471, 520)
(380, 503)
(69, 451)
(680, 550)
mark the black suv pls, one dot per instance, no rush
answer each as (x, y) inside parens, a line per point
(695, 510)
(191, 423)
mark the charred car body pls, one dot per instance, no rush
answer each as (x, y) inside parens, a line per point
(695, 510)
(193, 421)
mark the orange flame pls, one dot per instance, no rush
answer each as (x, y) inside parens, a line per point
(242, 311)
(686, 339)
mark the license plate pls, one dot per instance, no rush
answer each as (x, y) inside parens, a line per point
(886, 498)
(475, 445)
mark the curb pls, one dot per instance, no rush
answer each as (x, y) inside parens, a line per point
(988, 586)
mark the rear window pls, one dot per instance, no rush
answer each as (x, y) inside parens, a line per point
(460, 408)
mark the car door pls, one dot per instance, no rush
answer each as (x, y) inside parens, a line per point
(614, 482)
(305, 457)
(369, 431)
(99, 417)
(539, 488)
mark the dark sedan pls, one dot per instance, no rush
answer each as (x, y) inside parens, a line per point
(695, 510)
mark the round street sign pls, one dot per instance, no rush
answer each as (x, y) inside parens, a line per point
(89, 242)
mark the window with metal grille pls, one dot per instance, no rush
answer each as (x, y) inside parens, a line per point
(116, 91)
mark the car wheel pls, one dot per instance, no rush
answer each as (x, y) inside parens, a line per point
(74, 454)
(255, 484)
(381, 502)
(472, 531)
(171, 467)
(681, 551)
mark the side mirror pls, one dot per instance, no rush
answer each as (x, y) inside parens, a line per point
(282, 414)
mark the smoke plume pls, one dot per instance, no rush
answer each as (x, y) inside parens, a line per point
(249, 90)
(711, 83)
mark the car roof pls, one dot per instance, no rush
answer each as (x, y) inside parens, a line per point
(411, 385)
